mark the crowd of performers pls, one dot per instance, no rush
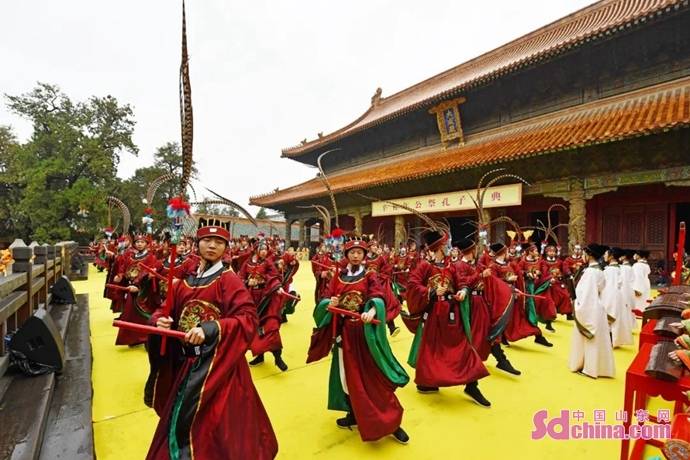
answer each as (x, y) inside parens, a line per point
(463, 303)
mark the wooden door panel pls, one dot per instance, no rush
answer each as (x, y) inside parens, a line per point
(633, 228)
(636, 226)
(610, 226)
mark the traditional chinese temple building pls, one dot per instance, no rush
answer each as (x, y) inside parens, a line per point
(242, 226)
(593, 110)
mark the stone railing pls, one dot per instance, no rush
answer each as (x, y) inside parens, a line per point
(27, 288)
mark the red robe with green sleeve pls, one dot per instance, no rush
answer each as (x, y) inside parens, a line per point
(467, 277)
(538, 282)
(558, 290)
(364, 373)
(442, 352)
(138, 306)
(523, 320)
(210, 406)
(384, 270)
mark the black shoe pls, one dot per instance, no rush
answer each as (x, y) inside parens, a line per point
(425, 390)
(401, 436)
(541, 340)
(505, 365)
(258, 360)
(472, 390)
(280, 364)
(347, 421)
(504, 341)
(549, 327)
(570, 317)
(501, 360)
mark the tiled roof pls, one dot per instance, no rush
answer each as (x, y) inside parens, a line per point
(600, 19)
(646, 111)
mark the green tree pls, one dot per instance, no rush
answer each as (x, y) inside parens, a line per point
(262, 214)
(63, 173)
(215, 210)
(10, 192)
(132, 191)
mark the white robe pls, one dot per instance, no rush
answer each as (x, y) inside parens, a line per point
(614, 303)
(592, 356)
(641, 284)
(627, 279)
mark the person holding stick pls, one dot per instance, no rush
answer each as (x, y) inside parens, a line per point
(442, 351)
(203, 382)
(263, 280)
(379, 264)
(364, 373)
(141, 297)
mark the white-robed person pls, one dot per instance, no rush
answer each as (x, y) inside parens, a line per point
(591, 353)
(641, 286)
(627, 278)
(614, 301)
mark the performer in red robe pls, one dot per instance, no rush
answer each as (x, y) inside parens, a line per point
(468, 278)
(442, 352)
(377, 263)
(119, 259)
(261, 277)
(240, 254)
(413, 255)
(523, 322)
(142, 297)
(401, 273)
(573, 266)
(186, 263)
(287, 266)
(553, 266)
(538, 283)
(323, 268)
(364, 373)
(454, 256)
(101, 254)
(207, 402)
(490, 307)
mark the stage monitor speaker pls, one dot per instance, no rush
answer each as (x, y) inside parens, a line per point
(63, 292)
(36, 347)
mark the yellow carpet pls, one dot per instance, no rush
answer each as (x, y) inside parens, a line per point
(443, 425)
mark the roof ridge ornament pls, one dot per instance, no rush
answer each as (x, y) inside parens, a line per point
(376, 98)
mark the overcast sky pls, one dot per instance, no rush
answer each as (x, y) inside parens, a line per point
(264, 74)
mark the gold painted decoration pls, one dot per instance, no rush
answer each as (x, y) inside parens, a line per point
(258, 279)
(437, 281)
(448, 120)
(351, 300)
(132, 272)
(195, 312)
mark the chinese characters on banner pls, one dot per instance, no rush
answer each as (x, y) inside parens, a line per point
(503, 195)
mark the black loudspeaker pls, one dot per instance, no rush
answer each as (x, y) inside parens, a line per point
(37, 347)
(63, 292)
